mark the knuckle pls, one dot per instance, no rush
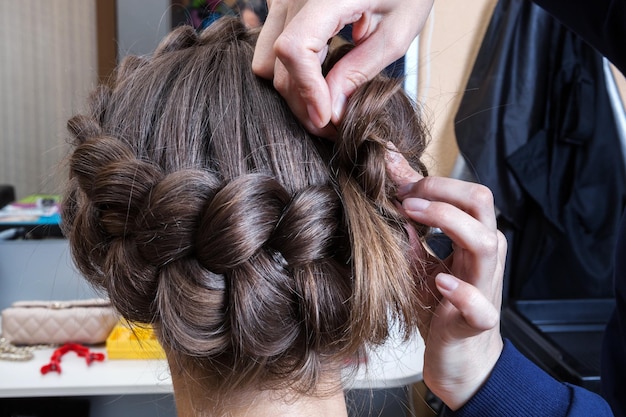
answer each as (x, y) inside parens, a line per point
(281, 83)
(489, 243)
(481, 195)
(357, 78)
(428, 185)
(308, 93)
(285, 48)
(492, 319)
(485, 316)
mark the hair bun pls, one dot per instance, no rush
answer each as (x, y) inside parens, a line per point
(307, 228)
(180, 38)
(167, 227)
(239, 221)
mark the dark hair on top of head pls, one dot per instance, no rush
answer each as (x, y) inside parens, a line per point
(261, 254)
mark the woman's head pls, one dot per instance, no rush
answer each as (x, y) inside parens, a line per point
(262, 255)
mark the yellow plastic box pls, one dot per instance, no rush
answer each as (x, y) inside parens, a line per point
(133, 341)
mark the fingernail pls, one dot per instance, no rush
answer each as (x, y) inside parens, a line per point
(446, 282)
(415, 204)
(339, 107)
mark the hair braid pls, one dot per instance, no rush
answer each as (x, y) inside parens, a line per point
(261, 254)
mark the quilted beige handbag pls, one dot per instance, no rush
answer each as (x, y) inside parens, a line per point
(58, 322)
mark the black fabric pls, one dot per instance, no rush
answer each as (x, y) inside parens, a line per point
(536, 126)
(602, 23)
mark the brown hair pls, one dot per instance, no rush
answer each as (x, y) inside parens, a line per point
(262, 255)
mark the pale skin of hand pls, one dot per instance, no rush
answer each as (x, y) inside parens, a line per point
(461, 330)
(293, 44)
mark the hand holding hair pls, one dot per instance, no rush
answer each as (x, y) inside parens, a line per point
(294, 41)
(461, 330)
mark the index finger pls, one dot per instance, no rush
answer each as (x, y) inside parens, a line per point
(472, 198)
(301, 48)
(264, 56)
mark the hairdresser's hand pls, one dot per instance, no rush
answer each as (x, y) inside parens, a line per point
(293, 44)
(461, 330)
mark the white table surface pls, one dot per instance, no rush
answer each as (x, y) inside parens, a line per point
(393, 365)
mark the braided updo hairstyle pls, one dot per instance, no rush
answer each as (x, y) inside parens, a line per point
(261, 254)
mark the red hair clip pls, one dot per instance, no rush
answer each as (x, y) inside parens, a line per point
(80, 350)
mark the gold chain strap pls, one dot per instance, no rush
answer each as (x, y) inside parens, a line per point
(10, 352)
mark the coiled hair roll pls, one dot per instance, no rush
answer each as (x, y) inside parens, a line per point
(262, 255)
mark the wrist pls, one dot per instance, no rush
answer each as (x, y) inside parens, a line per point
(457, 381)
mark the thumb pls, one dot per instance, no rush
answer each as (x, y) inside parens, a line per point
(477, 311)
(354, 69)
(368, 58)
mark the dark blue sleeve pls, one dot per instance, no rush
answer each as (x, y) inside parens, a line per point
(517, 387)
(614, 345)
